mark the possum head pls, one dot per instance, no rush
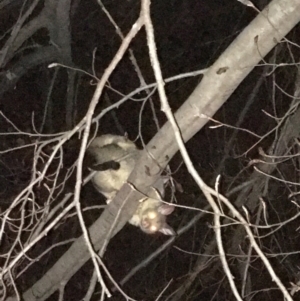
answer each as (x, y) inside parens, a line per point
(154, 220)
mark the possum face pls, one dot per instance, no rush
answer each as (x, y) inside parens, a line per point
(154, 220)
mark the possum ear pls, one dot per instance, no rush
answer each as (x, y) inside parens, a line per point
(166, 209)
(167, 230)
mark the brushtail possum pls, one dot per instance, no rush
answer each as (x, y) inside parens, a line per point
(115, 158)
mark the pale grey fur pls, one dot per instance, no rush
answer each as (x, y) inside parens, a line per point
(120, 149)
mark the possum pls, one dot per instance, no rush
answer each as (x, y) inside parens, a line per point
(115, 158)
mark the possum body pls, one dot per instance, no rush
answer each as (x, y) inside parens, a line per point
(108, 148)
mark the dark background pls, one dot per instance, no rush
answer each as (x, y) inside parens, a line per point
(190, 36)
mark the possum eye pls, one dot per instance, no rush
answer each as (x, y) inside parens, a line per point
(147, 227)
(153, 228)
(152, 215)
